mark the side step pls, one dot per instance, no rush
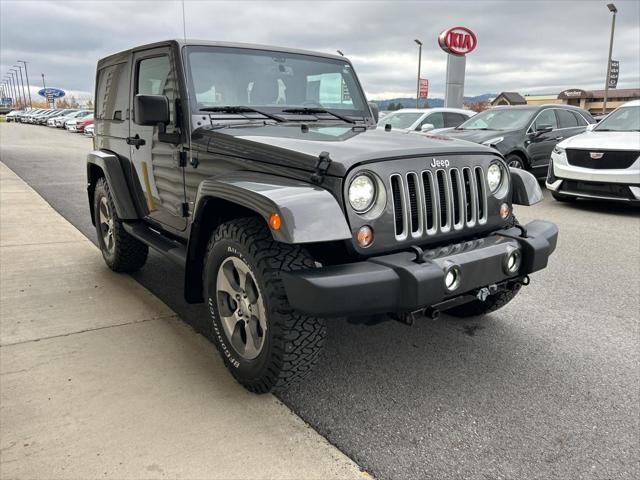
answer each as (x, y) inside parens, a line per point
(176, 251)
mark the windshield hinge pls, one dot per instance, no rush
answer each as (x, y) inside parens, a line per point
(322, 165)
(182, 158)
(185, 209)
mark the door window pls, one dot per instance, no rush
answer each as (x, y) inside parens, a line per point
(153, 75)
(435, 119)
(566, 119)
(546, 117)
(580, 119)
(453, 119)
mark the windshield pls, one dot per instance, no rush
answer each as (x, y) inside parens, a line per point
(400, 119)
(272, 81)
(499, 119)
(624, 119)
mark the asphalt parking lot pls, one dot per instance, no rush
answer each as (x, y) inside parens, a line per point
(547, 387)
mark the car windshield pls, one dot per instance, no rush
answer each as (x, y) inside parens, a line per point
(400, 119)
(499, 119)
(272, 81)
(624, 119)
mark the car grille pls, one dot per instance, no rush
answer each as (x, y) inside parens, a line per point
(595, 188)
(611, 158)
(439, 201)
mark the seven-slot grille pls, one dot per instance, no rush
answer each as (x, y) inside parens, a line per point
(438, 201)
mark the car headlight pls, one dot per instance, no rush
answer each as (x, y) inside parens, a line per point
(362, 193)
(494, 177)
(558, 150)
(493, 141)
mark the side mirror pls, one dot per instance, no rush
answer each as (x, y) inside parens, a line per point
(151, 110)
(427, 127)
(591, 126)
(540, 129)
(374, 111)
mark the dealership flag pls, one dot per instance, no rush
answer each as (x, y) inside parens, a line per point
(614, 70)
(424, 88)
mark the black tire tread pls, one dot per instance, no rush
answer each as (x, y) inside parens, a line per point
(130, 253)
(297, 339)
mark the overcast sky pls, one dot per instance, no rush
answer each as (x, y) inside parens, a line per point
(524, 46)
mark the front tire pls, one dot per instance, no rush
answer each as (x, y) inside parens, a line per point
(121, 251)
(264, 343)
(516, 161)
(478, 307)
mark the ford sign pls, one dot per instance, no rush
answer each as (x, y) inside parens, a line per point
(457, 40)
(51, 92)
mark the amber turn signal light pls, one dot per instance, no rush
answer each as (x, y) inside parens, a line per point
(274, 221)
(364, 236)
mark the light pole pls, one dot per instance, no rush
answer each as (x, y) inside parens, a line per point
(24, 95)
(612, 8)
(16, 95)
(26, 74)
(419, 65)
(20, 92)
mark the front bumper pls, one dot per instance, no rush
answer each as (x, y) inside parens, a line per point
(397, 283)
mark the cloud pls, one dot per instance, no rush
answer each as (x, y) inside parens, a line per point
(526, 46)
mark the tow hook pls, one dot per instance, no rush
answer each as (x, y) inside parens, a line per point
(409, 318)
(484, 292)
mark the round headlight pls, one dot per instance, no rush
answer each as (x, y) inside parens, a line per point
(494, 177)
(362, 193)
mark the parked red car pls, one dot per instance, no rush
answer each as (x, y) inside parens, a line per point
(88, 120)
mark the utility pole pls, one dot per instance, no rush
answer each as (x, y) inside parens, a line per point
(26, 74)
(419, 66)
(612, 8)
(24, 95)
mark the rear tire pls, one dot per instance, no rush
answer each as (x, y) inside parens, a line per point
(121, 252)
(478, 307)
(264, 343)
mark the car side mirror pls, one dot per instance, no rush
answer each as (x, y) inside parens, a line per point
(540, 129)
(151, 110)
(427, 127)
(591, 126)
(374, 111)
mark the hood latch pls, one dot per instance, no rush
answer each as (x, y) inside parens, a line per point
(322, 165)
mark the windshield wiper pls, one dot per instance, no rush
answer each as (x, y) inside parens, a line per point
(242, 109)
(311, 111)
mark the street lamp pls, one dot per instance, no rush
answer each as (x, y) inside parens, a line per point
(26, 74)
(24, 95)
(612, 8)
(16, 95)
(419, 65)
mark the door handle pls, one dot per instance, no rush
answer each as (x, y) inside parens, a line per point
(135, 141)
(559, 138)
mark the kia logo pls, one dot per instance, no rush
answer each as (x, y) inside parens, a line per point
(458, 40)
(439, 163)
(596, 155)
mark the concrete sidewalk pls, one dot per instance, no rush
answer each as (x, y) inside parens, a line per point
(100, 379)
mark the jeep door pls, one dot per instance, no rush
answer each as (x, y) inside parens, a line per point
(540, 145)
(156, 162)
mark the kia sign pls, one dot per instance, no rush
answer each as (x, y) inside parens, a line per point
(423, 91)
(457, 41)
(50, 93)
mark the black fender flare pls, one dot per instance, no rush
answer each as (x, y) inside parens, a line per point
(525, 187)
(308, 214)
(112, 170)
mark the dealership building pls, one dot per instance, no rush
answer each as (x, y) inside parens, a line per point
(590, 100)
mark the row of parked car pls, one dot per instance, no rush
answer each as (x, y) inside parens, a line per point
(72, 119)
(579, 157)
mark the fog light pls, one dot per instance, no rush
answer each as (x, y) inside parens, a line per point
(365, 236)
(452, 277)
(513, 261)
(504, 210)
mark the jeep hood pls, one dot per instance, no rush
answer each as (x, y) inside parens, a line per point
(291, 145)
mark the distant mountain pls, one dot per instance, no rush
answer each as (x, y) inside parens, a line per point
(408, 102)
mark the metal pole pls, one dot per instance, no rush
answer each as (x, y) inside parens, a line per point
(17, 86)
(13, 85)
(419, 65)
(613, 9)
(24, 95)
(26, 74)
(23, 99)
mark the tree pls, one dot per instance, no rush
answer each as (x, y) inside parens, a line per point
(478, 106)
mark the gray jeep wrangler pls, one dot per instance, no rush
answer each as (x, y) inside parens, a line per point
(261, 171)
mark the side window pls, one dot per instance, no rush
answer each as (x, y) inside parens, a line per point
(112, 93)
(566, 119)
(435, 119)
(546, 117)
(453, 119)
(155, 76)
(580, 119)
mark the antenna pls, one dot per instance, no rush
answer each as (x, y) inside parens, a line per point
(187, 83)
(184, 25)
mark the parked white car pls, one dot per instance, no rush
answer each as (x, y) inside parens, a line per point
(425, 119)
(603, 162)
(89, 130)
